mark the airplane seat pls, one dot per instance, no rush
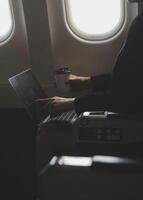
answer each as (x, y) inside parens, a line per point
(54, 140)
(17, 154)
(87, 178)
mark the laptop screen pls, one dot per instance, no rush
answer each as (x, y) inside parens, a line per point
(28, 89)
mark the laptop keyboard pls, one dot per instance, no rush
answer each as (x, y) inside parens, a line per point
(63, 118)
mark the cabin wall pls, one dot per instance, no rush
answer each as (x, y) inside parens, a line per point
(39, 39)
(42, 41)
(140, 7)
(29, 46)
(83, 57)
(14, 55)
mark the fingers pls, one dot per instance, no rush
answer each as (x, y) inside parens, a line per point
(50, 105)
(71, 78)
(42, 100)
(55, 105)
(68, 79)
(46, 100)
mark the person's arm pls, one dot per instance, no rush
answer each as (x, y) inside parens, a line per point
(97, 83)
(78, 82)
(89, 102)
(93, 102)
(55, 105)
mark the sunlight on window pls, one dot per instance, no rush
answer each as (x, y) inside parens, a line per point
(5, 19)
(95, 17)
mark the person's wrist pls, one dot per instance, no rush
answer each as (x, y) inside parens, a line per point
(87, 78)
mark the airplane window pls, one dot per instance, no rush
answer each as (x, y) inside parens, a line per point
(95, 19)
(5, 19)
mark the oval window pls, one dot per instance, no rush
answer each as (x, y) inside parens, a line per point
(95, 19)
(6, 21)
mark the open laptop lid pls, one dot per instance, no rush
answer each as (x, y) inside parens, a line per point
(28, 89)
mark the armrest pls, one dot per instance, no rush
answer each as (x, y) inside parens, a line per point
(116, 164)
(95, 163)
(71, 178)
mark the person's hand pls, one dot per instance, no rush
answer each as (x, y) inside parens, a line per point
(56, 105)
(78, 82)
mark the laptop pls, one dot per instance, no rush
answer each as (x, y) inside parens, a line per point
(29, 89)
